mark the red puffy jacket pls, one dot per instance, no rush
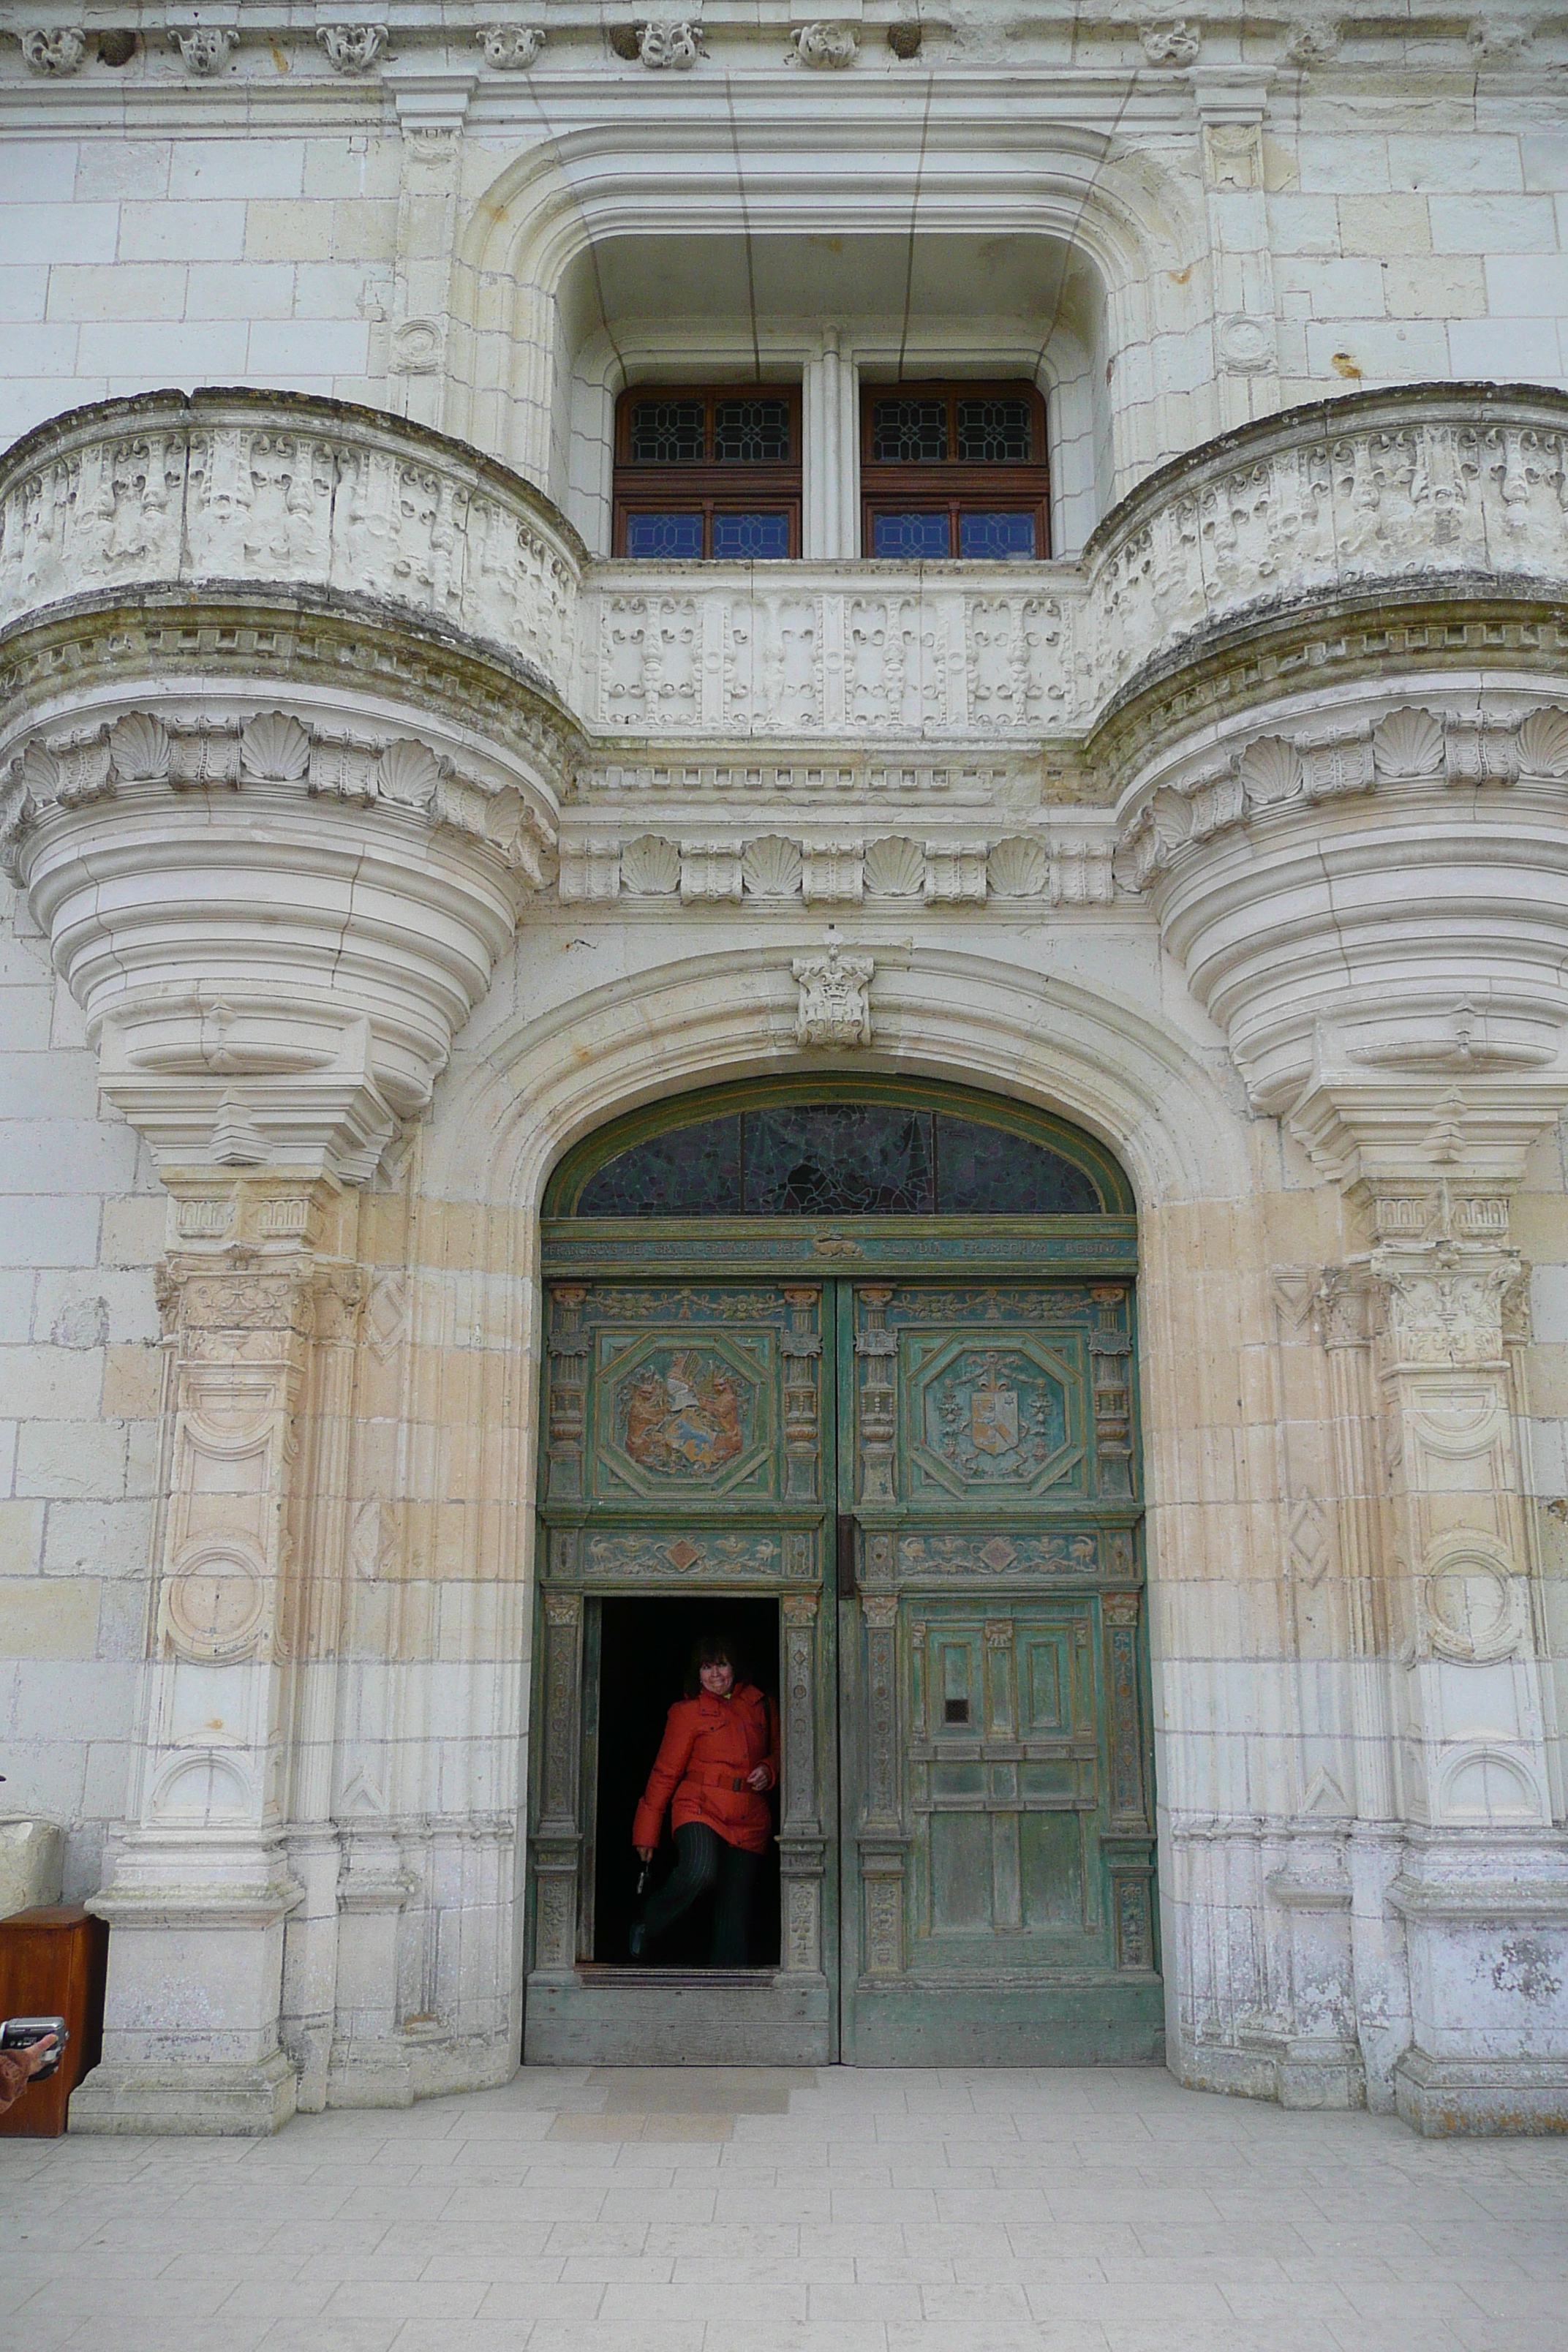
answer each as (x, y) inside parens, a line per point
(708, 1746)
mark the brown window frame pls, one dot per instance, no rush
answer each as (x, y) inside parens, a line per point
(710, 485)
(952, 485)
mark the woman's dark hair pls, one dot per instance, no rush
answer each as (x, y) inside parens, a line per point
(716, 1647)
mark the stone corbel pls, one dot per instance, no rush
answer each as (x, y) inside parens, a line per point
(56, 51)
(511, 48)
(352, 48)
(204, 50)
(259, 1042)
(827, 46)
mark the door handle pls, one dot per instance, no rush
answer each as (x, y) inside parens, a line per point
(843, 1535)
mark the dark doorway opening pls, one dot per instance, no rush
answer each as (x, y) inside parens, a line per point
(645, 1647)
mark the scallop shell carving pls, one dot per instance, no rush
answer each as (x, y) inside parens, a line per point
(1272, 770)
(274, 748)
(40, 772)
(139, 749)
(771, 867)
(1019, 868)
(408, 774)
(895, 868)
(651, 868)
(1543, 743)
(1407, 743)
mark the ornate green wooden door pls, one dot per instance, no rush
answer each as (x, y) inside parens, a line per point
(914, 1435)
(997, 1838)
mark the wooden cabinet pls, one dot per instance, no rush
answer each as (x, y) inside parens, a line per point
(52, 1962)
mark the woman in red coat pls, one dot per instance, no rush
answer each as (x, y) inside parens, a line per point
(718, 1759)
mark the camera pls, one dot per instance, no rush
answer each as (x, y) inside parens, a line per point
(21, 2033)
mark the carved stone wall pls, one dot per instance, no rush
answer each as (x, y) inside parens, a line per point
(1242, 841)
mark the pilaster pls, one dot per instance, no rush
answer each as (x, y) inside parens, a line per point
(259, 1279)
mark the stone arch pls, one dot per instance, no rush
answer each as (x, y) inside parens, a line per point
(1130, 222)
(1081, 1052)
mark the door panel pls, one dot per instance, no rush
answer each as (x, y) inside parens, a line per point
(1002, 1851)
(687, 1431)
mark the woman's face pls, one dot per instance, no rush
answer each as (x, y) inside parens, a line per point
(719, 1679)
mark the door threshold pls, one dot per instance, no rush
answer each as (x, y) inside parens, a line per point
(617, 1972)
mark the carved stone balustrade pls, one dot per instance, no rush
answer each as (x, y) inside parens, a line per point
(274, 491)
(1447, 488)
(831, 650)
(1443, 489)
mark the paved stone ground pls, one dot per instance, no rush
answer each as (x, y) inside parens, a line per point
(747, 2211)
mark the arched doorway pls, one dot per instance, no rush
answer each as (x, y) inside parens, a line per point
(850, 1363)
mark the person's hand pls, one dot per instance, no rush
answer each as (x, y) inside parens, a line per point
(36, 2054)
(760, 1779)
(645, 1852)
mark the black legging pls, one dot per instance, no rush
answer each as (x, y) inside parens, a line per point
(704, 1860)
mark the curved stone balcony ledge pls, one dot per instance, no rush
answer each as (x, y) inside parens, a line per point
(1444, 490)
(1437, 490)
(286, 493)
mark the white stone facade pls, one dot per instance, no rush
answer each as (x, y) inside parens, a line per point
(376, 836)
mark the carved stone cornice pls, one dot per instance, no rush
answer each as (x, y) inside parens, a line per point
(88, 647)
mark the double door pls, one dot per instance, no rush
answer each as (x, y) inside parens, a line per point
(932, 1485)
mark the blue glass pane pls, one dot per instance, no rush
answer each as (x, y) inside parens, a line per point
(669, 538)
(692, 1171)
(911, 536)
(985, 1171)
(996, 534)
(753, 538)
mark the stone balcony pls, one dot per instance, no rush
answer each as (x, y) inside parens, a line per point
(1443, 491)
(370, 656)
(276, 493)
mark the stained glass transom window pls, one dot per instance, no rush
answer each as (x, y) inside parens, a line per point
(856, 1160)
(993, 433)
(666, 433)
(908, 432)
(751, 432)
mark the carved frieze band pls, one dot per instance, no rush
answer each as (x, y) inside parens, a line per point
(910, 660)
(1274, 772)
(273, 748)
(780, 869)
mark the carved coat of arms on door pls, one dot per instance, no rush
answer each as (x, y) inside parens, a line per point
(682, 1415)
(993, 1415)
